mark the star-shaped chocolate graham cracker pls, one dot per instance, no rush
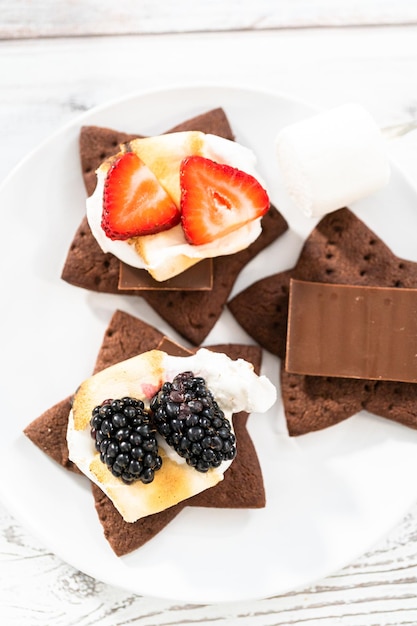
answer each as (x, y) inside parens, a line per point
(191, 313)
(340, 250)
(242, 486)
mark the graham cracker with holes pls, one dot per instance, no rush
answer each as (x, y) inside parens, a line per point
(191, 313)
(242, 486)
(341, 249)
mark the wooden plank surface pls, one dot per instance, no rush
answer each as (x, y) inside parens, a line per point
(46, 83)
(48, 18)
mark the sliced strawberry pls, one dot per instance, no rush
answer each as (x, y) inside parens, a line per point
(134, 202)
(217, 199)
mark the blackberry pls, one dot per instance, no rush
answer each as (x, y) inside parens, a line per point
(186, 414)
(126, 439)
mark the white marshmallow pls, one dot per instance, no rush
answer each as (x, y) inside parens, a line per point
(332, 159)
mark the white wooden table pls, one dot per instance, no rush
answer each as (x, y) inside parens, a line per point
(57, 59)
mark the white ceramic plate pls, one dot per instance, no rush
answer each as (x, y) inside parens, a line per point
(330, 495)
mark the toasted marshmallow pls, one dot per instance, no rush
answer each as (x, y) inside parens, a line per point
(332, 159)
(167, 254)
(235, 386)
(163, 155)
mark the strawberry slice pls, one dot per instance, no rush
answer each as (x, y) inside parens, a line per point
(217, 199)
(134, 202)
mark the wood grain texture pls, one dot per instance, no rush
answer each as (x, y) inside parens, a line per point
(39, 589)
(46, 83)
(46, 18)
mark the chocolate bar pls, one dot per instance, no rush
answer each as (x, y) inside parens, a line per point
(198, 277)
(352, 331)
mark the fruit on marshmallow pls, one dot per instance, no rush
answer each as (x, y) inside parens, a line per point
(217, 199)
(234, 385)
(134, 201)
(167, 253)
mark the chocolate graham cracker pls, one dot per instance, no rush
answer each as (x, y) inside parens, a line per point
(192, 313)
(340, 250)
(242, 486)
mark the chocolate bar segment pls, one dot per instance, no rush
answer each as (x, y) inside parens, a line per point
(198, 277)
(349, 331)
